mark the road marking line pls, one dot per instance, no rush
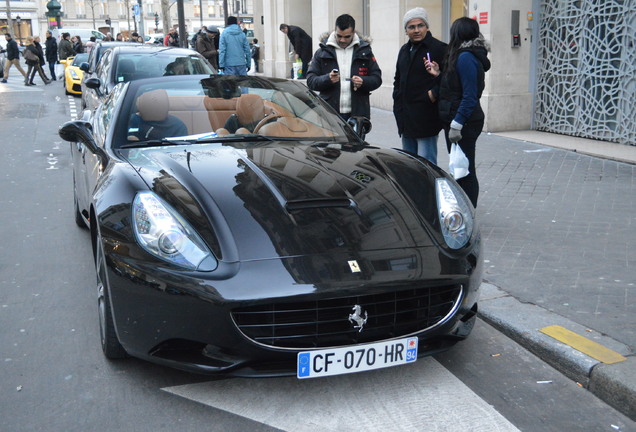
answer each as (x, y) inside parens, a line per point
(583, 344)
(403, 398)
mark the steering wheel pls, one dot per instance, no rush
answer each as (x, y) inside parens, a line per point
(267, 119)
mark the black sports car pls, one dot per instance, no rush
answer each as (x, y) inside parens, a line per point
(240, 226)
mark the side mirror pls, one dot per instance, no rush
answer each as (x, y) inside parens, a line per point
(361, 125)
(84, 67)
(93, 83)
(82, 131)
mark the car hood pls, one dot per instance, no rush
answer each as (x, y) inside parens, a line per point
(285, 200)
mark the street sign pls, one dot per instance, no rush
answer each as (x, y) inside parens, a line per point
(136, 9)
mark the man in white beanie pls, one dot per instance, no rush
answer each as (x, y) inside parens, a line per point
(416, 115)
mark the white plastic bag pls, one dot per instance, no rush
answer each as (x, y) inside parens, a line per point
(458, 162)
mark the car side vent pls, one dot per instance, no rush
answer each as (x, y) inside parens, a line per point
(319, 203)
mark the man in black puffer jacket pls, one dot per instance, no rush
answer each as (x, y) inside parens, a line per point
(416, 115)
(344, 70)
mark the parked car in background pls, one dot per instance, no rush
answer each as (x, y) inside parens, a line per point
(3, 61)
(154, 39)
(129, 61)
(288, 246)
(84, 33)
(73, 74)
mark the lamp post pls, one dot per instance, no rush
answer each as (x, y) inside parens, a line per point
(19, 20)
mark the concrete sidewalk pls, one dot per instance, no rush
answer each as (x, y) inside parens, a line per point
(558, 220)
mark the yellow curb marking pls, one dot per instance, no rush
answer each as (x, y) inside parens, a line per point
(582, 344)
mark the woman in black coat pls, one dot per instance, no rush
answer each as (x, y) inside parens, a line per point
(461, 86)
(33, 61)
(38, 46)
(78, 46)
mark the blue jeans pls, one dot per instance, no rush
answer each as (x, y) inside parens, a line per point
(425, 147)
(235, 70)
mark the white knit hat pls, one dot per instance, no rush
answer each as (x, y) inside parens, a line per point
(417, 12)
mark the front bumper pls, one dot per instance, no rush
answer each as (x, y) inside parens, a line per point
(189, 320)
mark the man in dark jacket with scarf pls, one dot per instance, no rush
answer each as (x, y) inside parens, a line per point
(301, 42)
(51, 53)
(344, 70)
(416, 115)
(13, 58)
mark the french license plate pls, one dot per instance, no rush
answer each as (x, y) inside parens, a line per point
(356, 358)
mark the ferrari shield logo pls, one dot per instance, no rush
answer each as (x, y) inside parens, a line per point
(354, 266)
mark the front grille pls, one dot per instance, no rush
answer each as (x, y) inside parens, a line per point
(325, 323)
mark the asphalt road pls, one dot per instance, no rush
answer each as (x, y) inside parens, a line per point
(53, 376)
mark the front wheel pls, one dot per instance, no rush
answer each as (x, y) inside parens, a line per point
(110, 343)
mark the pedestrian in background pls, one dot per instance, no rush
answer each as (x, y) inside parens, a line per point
(78, 46)
(13, 58)
(90, 44)
(33, 61)
(65, 48)
(108, 38)
(205, 47)
(344, 70)
(38, 46)
(415, 114)
(172, 38)
(119, 37)
(256, 53)
(460, 87)
(193, 42)
(51, 53)
(234, 50)
(302, 44)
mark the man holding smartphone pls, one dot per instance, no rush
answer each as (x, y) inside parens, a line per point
(344, 70)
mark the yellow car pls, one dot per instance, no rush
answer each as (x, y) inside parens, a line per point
(73, 74)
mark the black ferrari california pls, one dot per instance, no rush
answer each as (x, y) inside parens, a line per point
(239, 226)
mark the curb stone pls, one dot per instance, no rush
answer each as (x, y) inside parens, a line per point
(615, 384)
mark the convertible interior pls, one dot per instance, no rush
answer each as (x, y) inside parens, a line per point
(245, 114)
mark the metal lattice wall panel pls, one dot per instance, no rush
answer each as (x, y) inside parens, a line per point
(586, 77)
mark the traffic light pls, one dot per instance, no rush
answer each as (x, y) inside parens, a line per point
(108, 21)
(156, 21)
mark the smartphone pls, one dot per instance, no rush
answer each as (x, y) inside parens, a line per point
(428, 55)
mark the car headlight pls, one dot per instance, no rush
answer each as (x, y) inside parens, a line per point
(455, 213)
(160, 230)
(74, 74)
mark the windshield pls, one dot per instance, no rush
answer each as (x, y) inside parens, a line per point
(79, 59)
(148, 65)
(225, 107)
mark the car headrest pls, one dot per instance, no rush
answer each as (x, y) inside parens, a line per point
(153, 105)
(250, 109)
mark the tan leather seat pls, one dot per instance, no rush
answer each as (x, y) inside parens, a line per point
(250, 109)
(219, 110)
(292, 127)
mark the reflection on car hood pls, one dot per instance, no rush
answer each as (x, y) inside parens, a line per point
(284, 199)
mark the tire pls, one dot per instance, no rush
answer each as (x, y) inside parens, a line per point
(79, 219)
(111, 347)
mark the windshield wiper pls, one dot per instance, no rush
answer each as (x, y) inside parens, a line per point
(236, 138)
(151, 143)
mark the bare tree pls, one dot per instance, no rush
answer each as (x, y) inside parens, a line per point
(165, 16)
(128, 8)
(92, 4)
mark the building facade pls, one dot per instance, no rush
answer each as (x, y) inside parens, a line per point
(561, 66)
